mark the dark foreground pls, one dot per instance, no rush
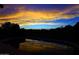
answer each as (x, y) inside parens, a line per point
(60, 41)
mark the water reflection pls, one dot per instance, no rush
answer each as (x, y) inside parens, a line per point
(36, 46)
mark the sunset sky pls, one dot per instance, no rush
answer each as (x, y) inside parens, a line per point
(40, 16)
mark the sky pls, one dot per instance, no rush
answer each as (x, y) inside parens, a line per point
(40, 16)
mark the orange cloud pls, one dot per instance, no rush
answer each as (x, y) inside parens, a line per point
(24, 16)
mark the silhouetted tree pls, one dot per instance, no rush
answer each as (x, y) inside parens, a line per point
(11, 26)
(12, 34)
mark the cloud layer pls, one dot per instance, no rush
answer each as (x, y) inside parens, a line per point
(24, 16)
